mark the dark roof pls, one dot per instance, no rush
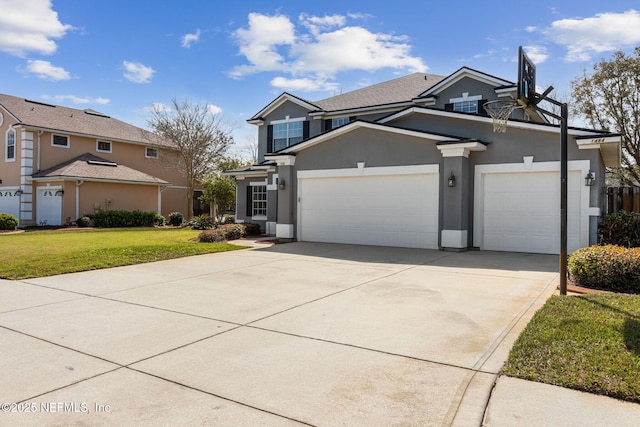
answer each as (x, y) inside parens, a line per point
(71, 120)
(390, 92)
(91, 167)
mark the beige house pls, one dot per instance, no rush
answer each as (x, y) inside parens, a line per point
(58, 164)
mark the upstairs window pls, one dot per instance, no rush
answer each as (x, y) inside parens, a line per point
(467, 104)
(284, 133)
(151, 153)
(10, 151)
(339, 122)
(60, 141)
(103, 146)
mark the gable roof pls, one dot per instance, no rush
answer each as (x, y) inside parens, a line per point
(93, 168)
(56, 118)
(459, 75)
(284, 97)
(390, 92)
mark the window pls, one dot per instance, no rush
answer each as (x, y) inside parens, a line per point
(60, 141)
(339, 122)
(151, 153)
(10, 153)
(258, 200)
(103, 146)
(284, 133)
(466, 106)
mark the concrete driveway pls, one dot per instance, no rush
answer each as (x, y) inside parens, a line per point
(291, 334)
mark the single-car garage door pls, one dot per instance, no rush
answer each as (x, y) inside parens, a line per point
(387, 210)
(10, 202)
(521, 212)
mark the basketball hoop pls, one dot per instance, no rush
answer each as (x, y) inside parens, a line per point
(500, 110)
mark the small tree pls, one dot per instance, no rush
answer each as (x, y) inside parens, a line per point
(219, 190)
(198, 135)
(609, 99)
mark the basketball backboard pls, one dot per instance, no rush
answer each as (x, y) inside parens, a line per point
(526, 79)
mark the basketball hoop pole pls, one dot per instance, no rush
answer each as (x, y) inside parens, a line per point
(564, 130)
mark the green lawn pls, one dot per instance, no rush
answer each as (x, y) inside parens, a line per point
(45, 253)
(589, 343)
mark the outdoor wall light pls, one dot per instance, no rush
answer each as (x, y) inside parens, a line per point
(18, 193)
(281, 184)
(589, 179)
(59, 192)
(452, 180)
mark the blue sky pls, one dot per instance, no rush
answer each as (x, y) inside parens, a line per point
(122, 57)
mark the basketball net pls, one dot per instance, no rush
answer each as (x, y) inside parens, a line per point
(500, 111)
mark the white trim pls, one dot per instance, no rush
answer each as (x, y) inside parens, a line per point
(357, 125)
(284, 97)
(465, 97)
(375, 171)
(6, 144)
(53, 135)
(1, 118)
(282, 159)
(274, 182)
(583, 166)
(259, 217)
(98, 141)
(284, 231)
(151, 157)
(453, 239)
(287, 119)
(475, 118)
(461, 149)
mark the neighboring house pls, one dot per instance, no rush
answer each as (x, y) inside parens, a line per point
(59, 163)
(374, 166)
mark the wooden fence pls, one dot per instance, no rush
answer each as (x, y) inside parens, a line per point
(623, 199)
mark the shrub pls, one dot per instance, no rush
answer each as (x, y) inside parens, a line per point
(228, 219)
(252, 229)
(609, 267)
(158, 220)
(84, 221)
(176, 219)
(8, 222)
(212, 236)
(620, 228)
(110, 219)
(202, 222)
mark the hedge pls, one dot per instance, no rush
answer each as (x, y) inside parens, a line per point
(608, 267)
(111, 219)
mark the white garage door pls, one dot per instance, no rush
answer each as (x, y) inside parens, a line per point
(9, 203)
(390, 210)
(522, 212)
(49, 206)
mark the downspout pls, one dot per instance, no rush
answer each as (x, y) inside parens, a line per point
(160, 191)
(78, 184)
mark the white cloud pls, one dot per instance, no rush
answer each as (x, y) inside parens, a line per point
(78, 100)
(158, 106)
(319, 48)
(537, 54)
(304, 84)
(604, 32)
(137, 72)
(29, 26)
(213, 109)
(47, 71)
(189, 39)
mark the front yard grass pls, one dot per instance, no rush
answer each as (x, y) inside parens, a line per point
(589, 343)
(45, 253)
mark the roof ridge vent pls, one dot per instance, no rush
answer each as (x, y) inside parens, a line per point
(40, 103)
(96, 113)
(102, 163)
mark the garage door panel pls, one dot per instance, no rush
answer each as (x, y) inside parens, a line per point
(521, 212)
(391, 210)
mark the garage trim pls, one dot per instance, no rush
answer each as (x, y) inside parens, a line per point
(583, 166)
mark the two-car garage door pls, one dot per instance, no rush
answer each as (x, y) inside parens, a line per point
(384, 209)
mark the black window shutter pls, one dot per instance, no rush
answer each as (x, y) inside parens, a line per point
(305, 129)
(327, 125)
(270, 139)
(353, 118)
(481, 109)
(249, 201)
(448, 107)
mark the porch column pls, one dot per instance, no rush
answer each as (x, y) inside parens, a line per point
(285, 226)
